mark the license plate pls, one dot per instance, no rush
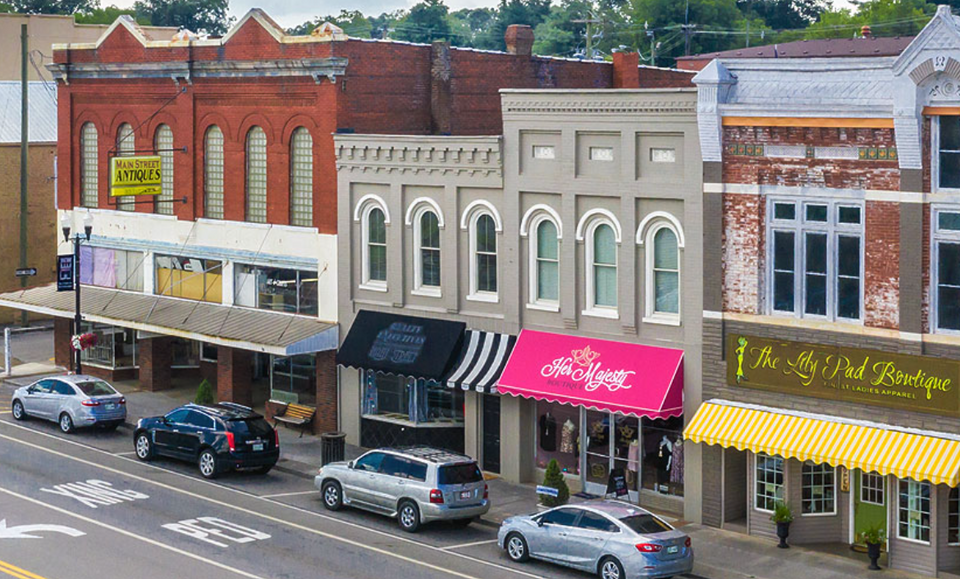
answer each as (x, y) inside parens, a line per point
(257, 447)
(672, 550)
(466, 494)
(111, 406)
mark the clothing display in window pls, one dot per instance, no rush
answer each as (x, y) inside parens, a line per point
(664, 455)
(633, 456)
(548, 432)
(676, 466)
(567, 437)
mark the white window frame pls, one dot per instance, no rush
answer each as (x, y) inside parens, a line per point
(646, 233)
(365, 208)
(935, 159)
(468, 221)
(783, 486)
(534, 301)
(585, 232)
(882, 489)
(165, 150)
(800, 226)
(938, 236)
(803, 485)
(418, 287)
(953, 503)
(929, 528)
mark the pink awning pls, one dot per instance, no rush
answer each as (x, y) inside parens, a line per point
(599, 374)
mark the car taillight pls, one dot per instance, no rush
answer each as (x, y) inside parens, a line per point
(649, 548)
(486, 491)
(230, 441)
(90, 402)
(687, 542)
(276, 438)
(123, 401)
(436, 497)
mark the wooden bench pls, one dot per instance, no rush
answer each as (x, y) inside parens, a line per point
(297, 415)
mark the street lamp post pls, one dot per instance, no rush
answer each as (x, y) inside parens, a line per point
(77, 240)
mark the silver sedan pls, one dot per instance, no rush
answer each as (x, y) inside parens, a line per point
(613, 539)
(71, 401)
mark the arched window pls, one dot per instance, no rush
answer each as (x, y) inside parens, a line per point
(89, 170)
(126, 146)
(375, 262)
(427, 241)
(163, 145)
(483, 246)
(602, 258)
(546, 270)
(257, 175)
(213, 173)
(301, 178)
(664, 273)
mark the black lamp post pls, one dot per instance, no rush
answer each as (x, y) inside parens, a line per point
(77, 240)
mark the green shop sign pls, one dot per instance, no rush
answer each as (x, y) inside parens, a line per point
(917, 383)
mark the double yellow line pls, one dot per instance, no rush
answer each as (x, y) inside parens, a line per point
(17, 572)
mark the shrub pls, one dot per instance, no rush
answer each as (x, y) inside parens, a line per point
(553, 478)
(782, 514)
(874, 534)
(205, 393)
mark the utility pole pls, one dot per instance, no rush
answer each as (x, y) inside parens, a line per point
(588, 22)
(748, 33)
(653, 44)
(24, 150)
(687, 30)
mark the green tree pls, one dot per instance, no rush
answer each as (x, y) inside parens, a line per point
(885, 18)
(209, 16)
(353, 23)
(53, 6)
(107, 16)
(783, 14)
(529, 12)
(666, 18)
(382, 25)
(205, 394)
(553, 478)
(472, 27)
(426, 22)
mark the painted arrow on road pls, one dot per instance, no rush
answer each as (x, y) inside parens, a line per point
(23, 531)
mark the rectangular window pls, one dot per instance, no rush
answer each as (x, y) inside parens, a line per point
(544, 152)
(783, 271)
(848, 277)
(914, 511)
(949, 152)
(281, 290)
(818, 490)
(190, 278)
(294, 379)
(953, 517)
(769, 483)
(785, 211)
(111, 268)
(872, 488)
(663, 155)
(115, 348)
(815, 273)
(947, 274)
(411, 399)
(208, 352)
(601, 153)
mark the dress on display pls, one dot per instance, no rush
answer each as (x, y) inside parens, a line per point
(567, 437)
(548, 433)
(676, 466)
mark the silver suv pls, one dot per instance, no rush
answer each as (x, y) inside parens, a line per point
(416, 485)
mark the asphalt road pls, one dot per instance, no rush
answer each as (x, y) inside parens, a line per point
(160, 519)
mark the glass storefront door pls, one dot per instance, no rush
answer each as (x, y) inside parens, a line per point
(612, 443)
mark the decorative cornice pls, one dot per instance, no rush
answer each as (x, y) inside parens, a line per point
(592, 106)
(317, 68)
(468, 156)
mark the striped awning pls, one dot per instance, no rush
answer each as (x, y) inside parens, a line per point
(483, 357)
(905, 453)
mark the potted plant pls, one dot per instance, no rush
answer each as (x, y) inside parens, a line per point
(782, 516)
(553, 479)
(874, 537)
(205, 393)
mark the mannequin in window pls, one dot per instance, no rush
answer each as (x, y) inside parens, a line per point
(567, 435)
(548, 432)
(664, 456)
(676, 462)
(633, 461)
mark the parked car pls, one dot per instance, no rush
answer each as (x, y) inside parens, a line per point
(72, 401)
(416, 485)
(613, 539)
(218, 438)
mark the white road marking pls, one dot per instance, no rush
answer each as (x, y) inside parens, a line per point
(261, 515)
(125, 453)
(473, 544)
(276, 496)
(23, 531)
(95, 492)
(129, 534)
(216, 527)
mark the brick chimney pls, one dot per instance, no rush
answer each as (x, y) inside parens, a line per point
(865, 31)
(626, 70)
(519, 39)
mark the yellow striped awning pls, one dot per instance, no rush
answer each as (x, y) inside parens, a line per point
(824, 439)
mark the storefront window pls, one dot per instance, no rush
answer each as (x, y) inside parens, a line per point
(953, 517)
(558, 436)
(116, 347)
(190, 278)
(184, 353)
(769, 482)
(111, 268)
(282, 290)
(411, 399)
(817, 485)
(663, 455)
(294, 379)
(208, 352)
(914, 517)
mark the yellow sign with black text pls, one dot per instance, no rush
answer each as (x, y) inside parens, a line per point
(140, 175)
(917, 383)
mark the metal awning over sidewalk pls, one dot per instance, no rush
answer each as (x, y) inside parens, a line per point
(234, 327)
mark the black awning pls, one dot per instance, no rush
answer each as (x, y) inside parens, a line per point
(406, 345)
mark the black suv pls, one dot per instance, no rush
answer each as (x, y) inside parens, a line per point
(219, 438)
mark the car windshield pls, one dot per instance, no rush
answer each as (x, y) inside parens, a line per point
(96, 388)
(646, 524)
(458, 474)
(251, 426)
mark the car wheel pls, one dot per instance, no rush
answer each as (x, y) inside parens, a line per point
(143, 446)
(408, 515)
(18, 412)
(66, 423)
(517, 548)
(332, 495)
(208, 464)
(610, 568)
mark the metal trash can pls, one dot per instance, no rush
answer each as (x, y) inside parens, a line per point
(332, 446)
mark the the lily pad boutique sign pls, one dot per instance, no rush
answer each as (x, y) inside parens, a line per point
(917, 383)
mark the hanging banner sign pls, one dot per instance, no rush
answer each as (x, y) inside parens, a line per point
(139, 175)
(858, 375)
(65, 273)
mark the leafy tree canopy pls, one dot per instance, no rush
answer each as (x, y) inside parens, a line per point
(107, 16)
(209, 16)
(426, 22)
(52, 6)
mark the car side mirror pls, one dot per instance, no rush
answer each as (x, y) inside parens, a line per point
(540, 522)
(350, 464)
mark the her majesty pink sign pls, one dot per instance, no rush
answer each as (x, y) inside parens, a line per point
(599, 374)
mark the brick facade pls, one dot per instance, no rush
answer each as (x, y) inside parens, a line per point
(234, 375)
(155, 357)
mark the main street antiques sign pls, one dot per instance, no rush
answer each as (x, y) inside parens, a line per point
(138, 175)
(917, 383)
